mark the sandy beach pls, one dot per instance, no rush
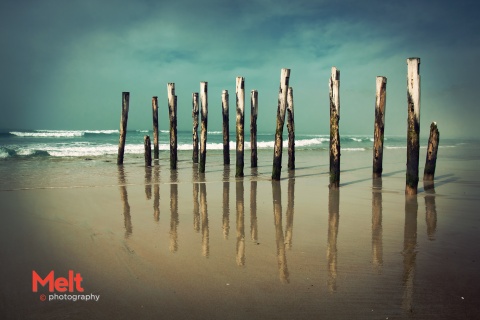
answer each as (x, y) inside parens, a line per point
(161, 244)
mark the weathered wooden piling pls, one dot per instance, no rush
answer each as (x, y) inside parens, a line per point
(291, 129)
(282, 102)
(195, 126)
(155, 127)
(226, 128)
(253, 127)
(413, 134)
(379, 127)
(334, 85)
(431, 161)
(240, 91)
(148, 151)
(204, 124)
(123, 126)
(172, 112)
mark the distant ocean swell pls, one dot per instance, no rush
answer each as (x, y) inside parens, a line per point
(60, 133)
(90, 143)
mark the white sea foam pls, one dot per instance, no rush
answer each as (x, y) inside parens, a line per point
(60, 133)
(102, 131)
(353, 149)
(49, 134)
(3, 153)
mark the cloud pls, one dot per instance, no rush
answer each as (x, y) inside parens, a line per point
(66, 61)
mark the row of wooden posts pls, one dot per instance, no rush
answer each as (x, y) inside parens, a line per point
(285, 104)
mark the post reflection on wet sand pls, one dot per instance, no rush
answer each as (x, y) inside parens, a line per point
(204, 218)
(290, 209)
(277, 214)
(196, 207)
(173, 211)
(431, 211)
(409, 251)
(226, 201)
(124, 198)
(377, 232)
(333, 221)
(156, 192)
(239, 192)
(148, 182)
(253, 206)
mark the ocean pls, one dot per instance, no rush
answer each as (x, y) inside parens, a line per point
(97, 143)
(176, 242)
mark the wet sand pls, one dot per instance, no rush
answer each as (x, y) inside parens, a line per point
(179, 245)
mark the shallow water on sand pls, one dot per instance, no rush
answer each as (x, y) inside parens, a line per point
(160, 244)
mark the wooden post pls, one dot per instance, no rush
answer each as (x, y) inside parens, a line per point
(203, 134)
(291, 130)
(430, 163)
(282, 102)
(123, 126)
(413, 134)
(172, 111)
(195, 126)
(226, 129)
(155, 126)
(148, 151)
(240, 91)
(253, 127)
(334, 84)
(379, 128)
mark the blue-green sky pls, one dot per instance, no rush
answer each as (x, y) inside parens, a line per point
(64, 64)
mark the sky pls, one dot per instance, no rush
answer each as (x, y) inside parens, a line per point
(65, 64)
